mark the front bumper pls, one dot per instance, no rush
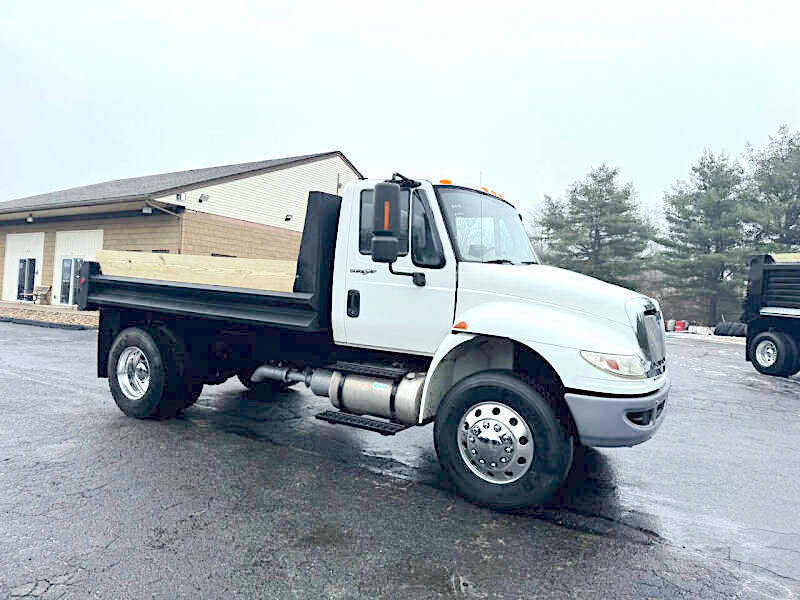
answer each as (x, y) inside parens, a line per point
(617, 421)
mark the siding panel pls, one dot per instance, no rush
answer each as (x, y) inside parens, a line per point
(143, 233)
(269, 197)
(206, 234)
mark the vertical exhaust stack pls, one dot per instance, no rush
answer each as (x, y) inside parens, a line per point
(398, 401)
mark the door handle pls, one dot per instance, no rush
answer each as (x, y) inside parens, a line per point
(353, 303)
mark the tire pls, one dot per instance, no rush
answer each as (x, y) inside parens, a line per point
(137, 374)
(521, 412)
(192, 393)
(181, 390)
(774, 353)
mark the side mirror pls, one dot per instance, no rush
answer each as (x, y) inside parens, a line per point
(385, 245)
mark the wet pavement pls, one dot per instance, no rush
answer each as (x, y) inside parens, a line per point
(242, 497)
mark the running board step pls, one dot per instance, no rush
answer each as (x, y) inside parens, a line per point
(369, 370)
(361, 422)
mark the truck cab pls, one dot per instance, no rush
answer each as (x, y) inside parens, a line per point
(414, 303)
(482, 279)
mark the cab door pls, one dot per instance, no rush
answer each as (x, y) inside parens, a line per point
(386, 310)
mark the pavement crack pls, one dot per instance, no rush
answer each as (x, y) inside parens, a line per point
(556, 517)
(763, 568)
(795, 550)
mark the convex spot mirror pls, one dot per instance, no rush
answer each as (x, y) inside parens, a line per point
(385, 243)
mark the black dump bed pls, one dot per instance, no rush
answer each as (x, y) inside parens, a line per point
(771, 285)
(307, 308)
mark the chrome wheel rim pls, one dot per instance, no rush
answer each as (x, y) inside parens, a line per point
(766, 353)
(133, 373)
(495, 442)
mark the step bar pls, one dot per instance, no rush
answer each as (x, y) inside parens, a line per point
(361, 422)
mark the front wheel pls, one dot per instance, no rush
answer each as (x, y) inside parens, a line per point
(774, 353)
(500, 441)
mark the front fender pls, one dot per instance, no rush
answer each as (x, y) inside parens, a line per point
(554, 333)
(558, 335)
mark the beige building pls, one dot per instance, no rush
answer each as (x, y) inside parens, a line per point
(250, 210)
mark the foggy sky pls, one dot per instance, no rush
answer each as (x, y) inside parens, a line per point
(528, 96)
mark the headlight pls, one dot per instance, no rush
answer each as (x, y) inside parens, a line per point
(618, 364)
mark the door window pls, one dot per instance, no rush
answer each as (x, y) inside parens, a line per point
(367, 222)
(426, 247)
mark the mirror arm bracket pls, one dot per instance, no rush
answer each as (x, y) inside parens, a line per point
(418, 278)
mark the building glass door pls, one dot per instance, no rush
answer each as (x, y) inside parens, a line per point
(70, 273)
(25, 278)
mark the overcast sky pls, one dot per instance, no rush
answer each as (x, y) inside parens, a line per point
(531, 95)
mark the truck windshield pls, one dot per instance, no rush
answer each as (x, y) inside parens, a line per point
(484, 228)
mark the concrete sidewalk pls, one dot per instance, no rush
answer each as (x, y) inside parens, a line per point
(45, 314)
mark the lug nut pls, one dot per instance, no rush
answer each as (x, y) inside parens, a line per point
(493, 464)
(483, 462)
(503, 459)
(486, 424)
(497, 427)
(508, 449)
(476, 430)
(506, 437)
(471, 440)
(474, 451)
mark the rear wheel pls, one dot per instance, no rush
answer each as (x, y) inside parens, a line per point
(137, 374)
(181, 390)
(500, 441)
(192, 393)
(774, 353)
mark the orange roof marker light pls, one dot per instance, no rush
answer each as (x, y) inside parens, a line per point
(485, 189)
(446, 181)
(493, 193)
(460, 325)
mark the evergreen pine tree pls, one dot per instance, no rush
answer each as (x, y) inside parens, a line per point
(598, 230)
(704, 256)
(775, 184)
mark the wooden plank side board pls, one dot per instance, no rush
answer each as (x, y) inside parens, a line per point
(258, 274)
(786, 257)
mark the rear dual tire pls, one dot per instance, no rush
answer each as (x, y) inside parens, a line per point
(148, 375)
(774, 353)
(491, 416)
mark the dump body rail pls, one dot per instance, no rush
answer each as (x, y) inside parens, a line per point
(298, 311)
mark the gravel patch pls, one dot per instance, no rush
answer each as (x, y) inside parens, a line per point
(42, 315)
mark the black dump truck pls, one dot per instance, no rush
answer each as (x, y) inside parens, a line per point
(772, 315)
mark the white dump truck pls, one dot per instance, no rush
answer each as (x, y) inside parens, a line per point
(412, 303)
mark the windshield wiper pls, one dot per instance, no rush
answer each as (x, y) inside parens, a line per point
(529, 262)
(499, 261)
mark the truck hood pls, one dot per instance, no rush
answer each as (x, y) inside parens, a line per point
(548, 285)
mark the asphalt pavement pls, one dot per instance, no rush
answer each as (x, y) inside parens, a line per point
(245, 498)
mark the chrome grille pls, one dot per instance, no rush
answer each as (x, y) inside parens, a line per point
(649, 327)
(656, 341)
